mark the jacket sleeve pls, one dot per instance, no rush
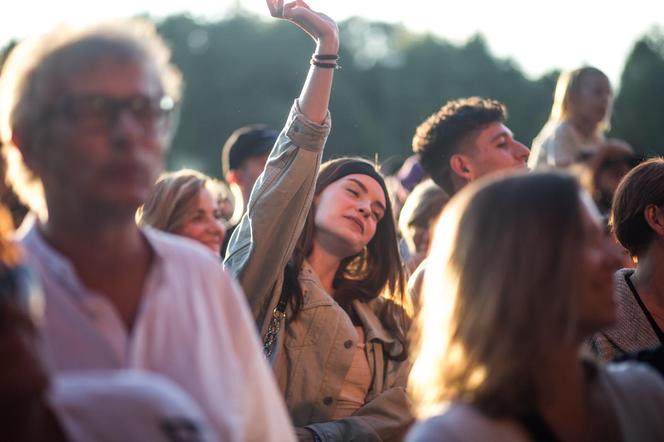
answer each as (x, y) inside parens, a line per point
(266, 235)
(386, 418)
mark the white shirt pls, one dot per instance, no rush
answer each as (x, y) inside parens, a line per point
(192, 326)
(561, 144)
(126, 406)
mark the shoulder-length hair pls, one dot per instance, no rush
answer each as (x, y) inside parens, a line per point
(374, 272)
(498, 293)
(568, 89)
(174, 197)
(642, 187)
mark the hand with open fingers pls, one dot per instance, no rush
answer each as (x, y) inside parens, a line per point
(318, 25)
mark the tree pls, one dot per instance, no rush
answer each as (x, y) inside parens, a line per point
(639, 107)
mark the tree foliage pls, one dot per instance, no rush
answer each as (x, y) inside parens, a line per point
(242, 70)
(639, 108)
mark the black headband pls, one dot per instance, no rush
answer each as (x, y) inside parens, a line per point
(363, 168)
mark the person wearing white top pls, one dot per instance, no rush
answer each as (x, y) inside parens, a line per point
(579, 118)
(100, 406)
(85, 118)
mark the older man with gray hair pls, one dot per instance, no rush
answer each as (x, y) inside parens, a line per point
(85, 120)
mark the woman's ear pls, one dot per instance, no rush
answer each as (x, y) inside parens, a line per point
(654, 216)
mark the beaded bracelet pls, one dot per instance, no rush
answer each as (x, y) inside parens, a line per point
(320, 61)
(319, 64)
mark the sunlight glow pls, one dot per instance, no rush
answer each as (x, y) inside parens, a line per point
(594, 33)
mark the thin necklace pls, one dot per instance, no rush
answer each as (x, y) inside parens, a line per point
(646, 312)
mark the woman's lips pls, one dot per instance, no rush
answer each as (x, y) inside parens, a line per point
(357, 222)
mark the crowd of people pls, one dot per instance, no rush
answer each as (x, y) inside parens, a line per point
(483, 291)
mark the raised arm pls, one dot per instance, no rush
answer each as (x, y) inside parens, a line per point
(264, 240)
(315, 96)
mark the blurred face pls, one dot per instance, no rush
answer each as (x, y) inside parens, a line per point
(610, 172)
(347, 214)
(104, 138)
(495, 149)
(600, 258)
(249, 173)
(594, 98)
(205, 223)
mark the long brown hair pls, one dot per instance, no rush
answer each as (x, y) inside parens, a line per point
(374, 272)
(499, 290)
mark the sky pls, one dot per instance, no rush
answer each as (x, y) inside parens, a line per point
(538, 36)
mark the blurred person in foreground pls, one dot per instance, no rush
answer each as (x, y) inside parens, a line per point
(84, 116)
(187, 203)
(637, 219)
(497, 348)
(579, 118)
(104, 406)
(243, 159)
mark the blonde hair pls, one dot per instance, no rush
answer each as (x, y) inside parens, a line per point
(497, 293)
(174, 197)
(568, 88)
(37, 69)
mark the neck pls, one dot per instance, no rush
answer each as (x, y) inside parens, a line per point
(562, 391)
(28, 422)
(325, 265)
(648, 278)
(586, 128)
(82, 239)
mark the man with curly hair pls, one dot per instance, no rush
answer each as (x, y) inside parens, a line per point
(466, 139)
(461, 142)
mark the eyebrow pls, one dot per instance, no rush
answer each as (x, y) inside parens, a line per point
(364, 188)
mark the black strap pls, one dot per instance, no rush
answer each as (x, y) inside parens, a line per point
(537, 428)
(651, 320)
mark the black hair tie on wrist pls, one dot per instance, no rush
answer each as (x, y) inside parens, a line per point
(326, 57)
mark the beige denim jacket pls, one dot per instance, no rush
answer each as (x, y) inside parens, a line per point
(314, 352)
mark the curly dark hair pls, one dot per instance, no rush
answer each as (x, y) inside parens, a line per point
(441, 135)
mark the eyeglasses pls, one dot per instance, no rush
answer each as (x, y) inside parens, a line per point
(100, 112)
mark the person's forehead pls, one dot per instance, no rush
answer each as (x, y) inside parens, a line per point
(372, 187)
(595, 79)
(492, 132)
(110, 76)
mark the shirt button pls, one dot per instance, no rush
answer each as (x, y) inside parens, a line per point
(328, 400)
(348, 344)
(296, 128)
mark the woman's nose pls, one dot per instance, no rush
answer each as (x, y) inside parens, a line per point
(216, 227)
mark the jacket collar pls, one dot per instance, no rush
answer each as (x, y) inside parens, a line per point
(365, 311)
(373, 328)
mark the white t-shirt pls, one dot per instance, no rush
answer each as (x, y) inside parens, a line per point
(636, 393)
(126, 406)
(193, 326)
(560, 144)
